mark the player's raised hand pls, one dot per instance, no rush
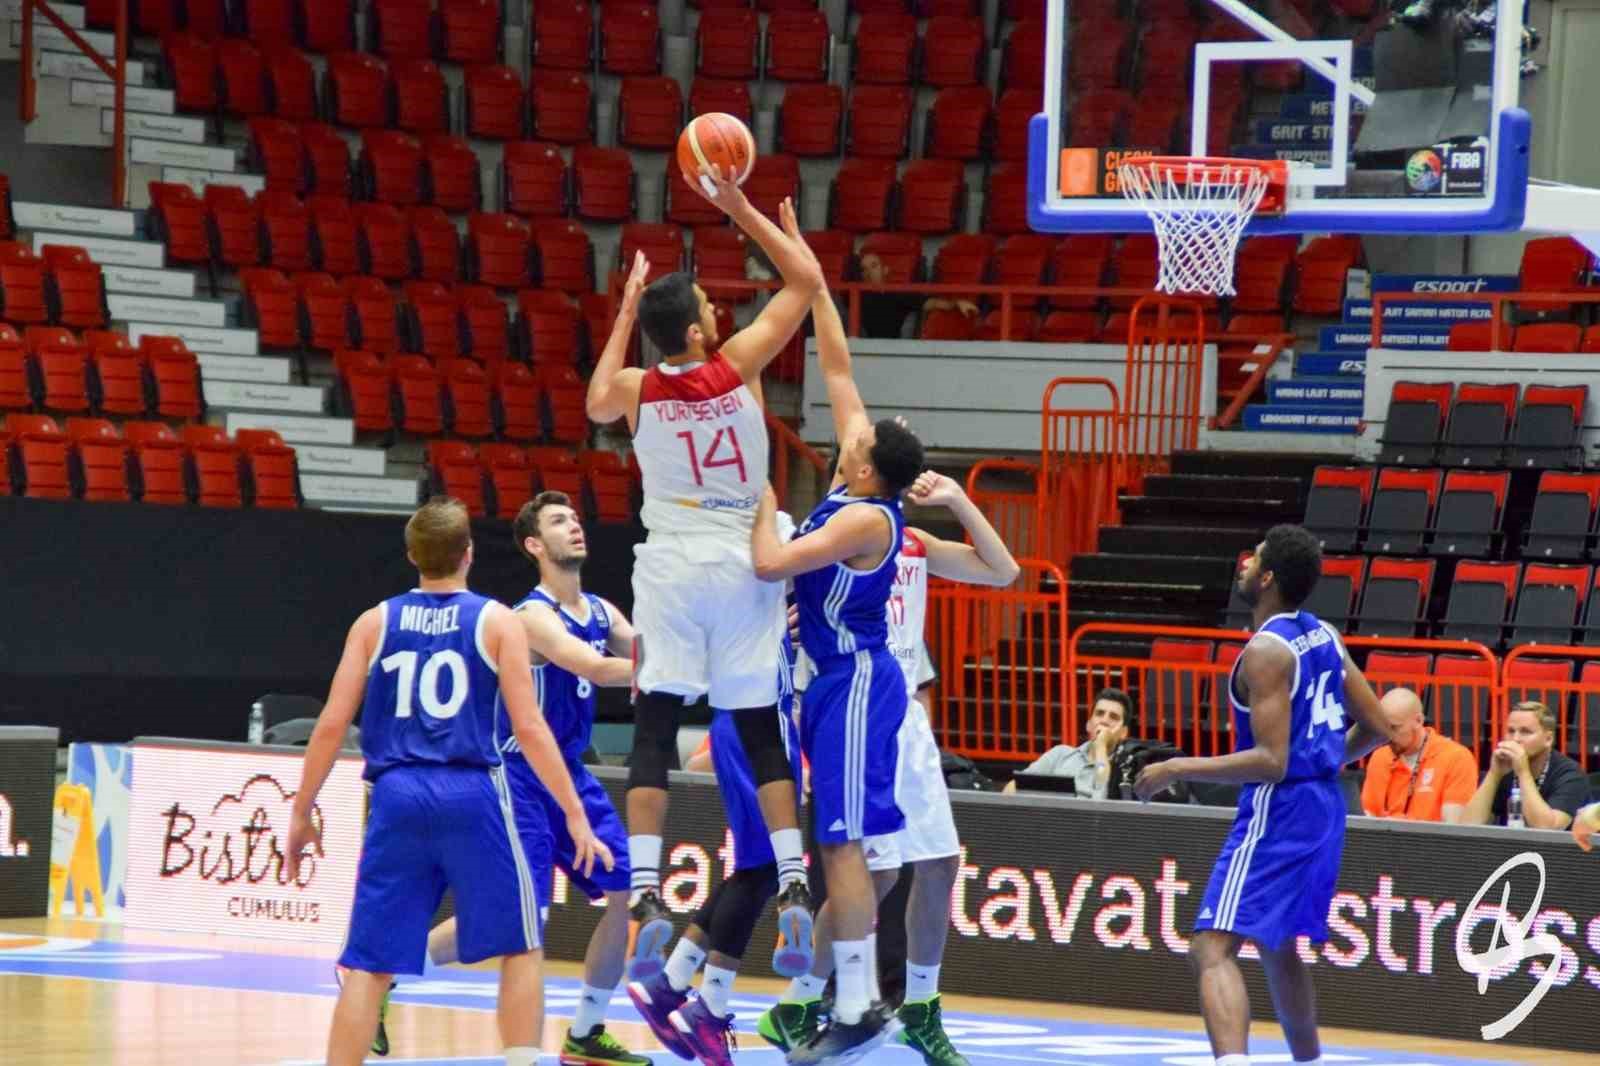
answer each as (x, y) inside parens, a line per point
(633, 288)
(722, 191)
(304, 832)
(932, 489)
(789, 221)
(586, 847)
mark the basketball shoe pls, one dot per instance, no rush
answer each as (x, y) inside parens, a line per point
(708, 1036)
(649, 933)
(789, 1025)
(656, 999)
(599, 1048)
(793, 955)
(924, 1033)
(838, 1043)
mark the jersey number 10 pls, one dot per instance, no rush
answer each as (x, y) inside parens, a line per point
(1326, 709)
(427, 686)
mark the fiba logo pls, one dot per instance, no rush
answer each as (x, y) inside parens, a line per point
(1424, 171)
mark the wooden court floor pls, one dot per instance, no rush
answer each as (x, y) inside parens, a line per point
(114, 1018)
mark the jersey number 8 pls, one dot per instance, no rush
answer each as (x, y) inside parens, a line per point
(427, 685)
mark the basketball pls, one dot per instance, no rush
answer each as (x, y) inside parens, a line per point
(716, 138)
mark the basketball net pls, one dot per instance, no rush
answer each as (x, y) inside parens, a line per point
(1199, 208)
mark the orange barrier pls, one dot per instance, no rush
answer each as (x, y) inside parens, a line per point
(1082, 465)
(115, 69)
(1000, 653)
(1180, 689)
(1007, 492)
(1544, 672)
(1242, 374)
(1166, 338)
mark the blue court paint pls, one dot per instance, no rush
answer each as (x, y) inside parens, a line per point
(988, 1040)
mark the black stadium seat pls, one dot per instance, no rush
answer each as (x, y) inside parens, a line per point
(1563, 515)
(1479, 422)
(1480, 598)
(1337, 505)
(1416, 418)
(1401, 508)
(1395, 600)
(1550, 604)
(1549, 430)
(1467, 522)
(1338, 590)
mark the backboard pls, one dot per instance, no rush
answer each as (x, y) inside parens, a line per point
(1390, 124)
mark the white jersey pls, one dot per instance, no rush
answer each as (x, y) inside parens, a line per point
(701, 442)
(908, 607)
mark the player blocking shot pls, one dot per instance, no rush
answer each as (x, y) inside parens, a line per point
(577, 642)
(428, 669)
(706, 626)
(1293, 690)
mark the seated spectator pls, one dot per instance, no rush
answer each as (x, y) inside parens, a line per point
(1089, 764)
(1422, 775)
(1552, 786)
(883, 314)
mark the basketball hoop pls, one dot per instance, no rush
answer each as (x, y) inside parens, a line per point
(1199, 207)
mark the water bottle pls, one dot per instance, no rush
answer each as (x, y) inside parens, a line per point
(258, 725)
(1514, 809)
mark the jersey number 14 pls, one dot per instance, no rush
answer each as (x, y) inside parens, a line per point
(1326, 708)
(713, 456)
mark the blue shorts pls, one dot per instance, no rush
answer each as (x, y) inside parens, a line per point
(849, 728)
(432, 827)
(1277, 871)
(736, 780)
(529, 792)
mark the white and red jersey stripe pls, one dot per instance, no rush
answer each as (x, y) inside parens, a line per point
(908, 607)
(701, 442)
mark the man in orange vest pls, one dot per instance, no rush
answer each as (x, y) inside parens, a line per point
(1422, 775)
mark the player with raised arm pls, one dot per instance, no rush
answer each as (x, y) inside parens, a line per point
(929, 842)
(843, 566)
(1291, 691)
(428, 669)
(706, 626)
(577, 642)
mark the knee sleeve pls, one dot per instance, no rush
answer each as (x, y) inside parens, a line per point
(762, 739)
(739, 904)
(655, 740)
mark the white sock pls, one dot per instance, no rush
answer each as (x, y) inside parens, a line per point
(873, 993)
(1233, 1060)
(521, 1056)
(715, 989)
(922, 983)
(592, 1004)
(804, 989)
(684, 963)
(789, 848)
(644, 858)
(854, 992)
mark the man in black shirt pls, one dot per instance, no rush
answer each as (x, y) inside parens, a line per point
(1552, 786)
(883, 314)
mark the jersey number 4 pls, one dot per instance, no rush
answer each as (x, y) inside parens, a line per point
(713, 456)
(427, 685)
(1326, 708)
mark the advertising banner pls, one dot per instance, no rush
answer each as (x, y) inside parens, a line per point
(207, 837)
(106, 770)
(1087, 902)
(27, 797)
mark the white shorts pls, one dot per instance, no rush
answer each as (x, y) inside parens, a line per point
(707, 625)
(922, 796)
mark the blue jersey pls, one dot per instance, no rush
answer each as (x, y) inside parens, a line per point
(432, 693)
(1317, 712)
(566, 699)
(842, 610)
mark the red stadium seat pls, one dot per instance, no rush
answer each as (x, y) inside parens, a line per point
(885, 49)
(719, 254)
(933, 194)
(773, 178)
(563, 35)
(900, 253)
(1134, 265)
(16, 376)
(327, 160)
(499, 251)
(329, 316)
(808, 120)
(271, 307)
(291, 84)
(728, 45)
(566, 259)
(728, 97)
(1559, 337)
(611, 484)
(1081, 261)
(835, 251)
(329, 26)
(63, 364)
(564, 398)
(98, 459)
(879, 121)
(435, 243)
(559, 472)
(451, 172)
(511, 475)
(958, 124)
(602, 184)
(1023, 259)
(421, 395)
(953, 51)
(471, 30)
(402, 29)
(235, 224)
(965, 258)
(494, 102)
(946, 325)
(390, 167)
(1321, 270)
(863, 191)
(158, 463)
(80, 292)
(534, 179)
(661, 243)
(630, 39)
(516, 394)
(376, 314)
(684, 206)
(176, 373)
(367, 388)
(215, 460)
(547, 327)
(42, 448)
(384, 241)
(275, 150)
(191, 64)
(1261, 278)
(1098, 116)
(561, 107)
(242, 79)
(1005, 200)
(334, 235)
(357, 91)
(274, 475)
(483, 314)
(467, 398)
(798, 43)
(177, 218)
(118, 384)
(1070, 327)
(1016, 109)
(649, 113)
(433, 321)
(1022, 64)
(1099, 50)
(151, 18)
(421, 98)
(266, 22)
